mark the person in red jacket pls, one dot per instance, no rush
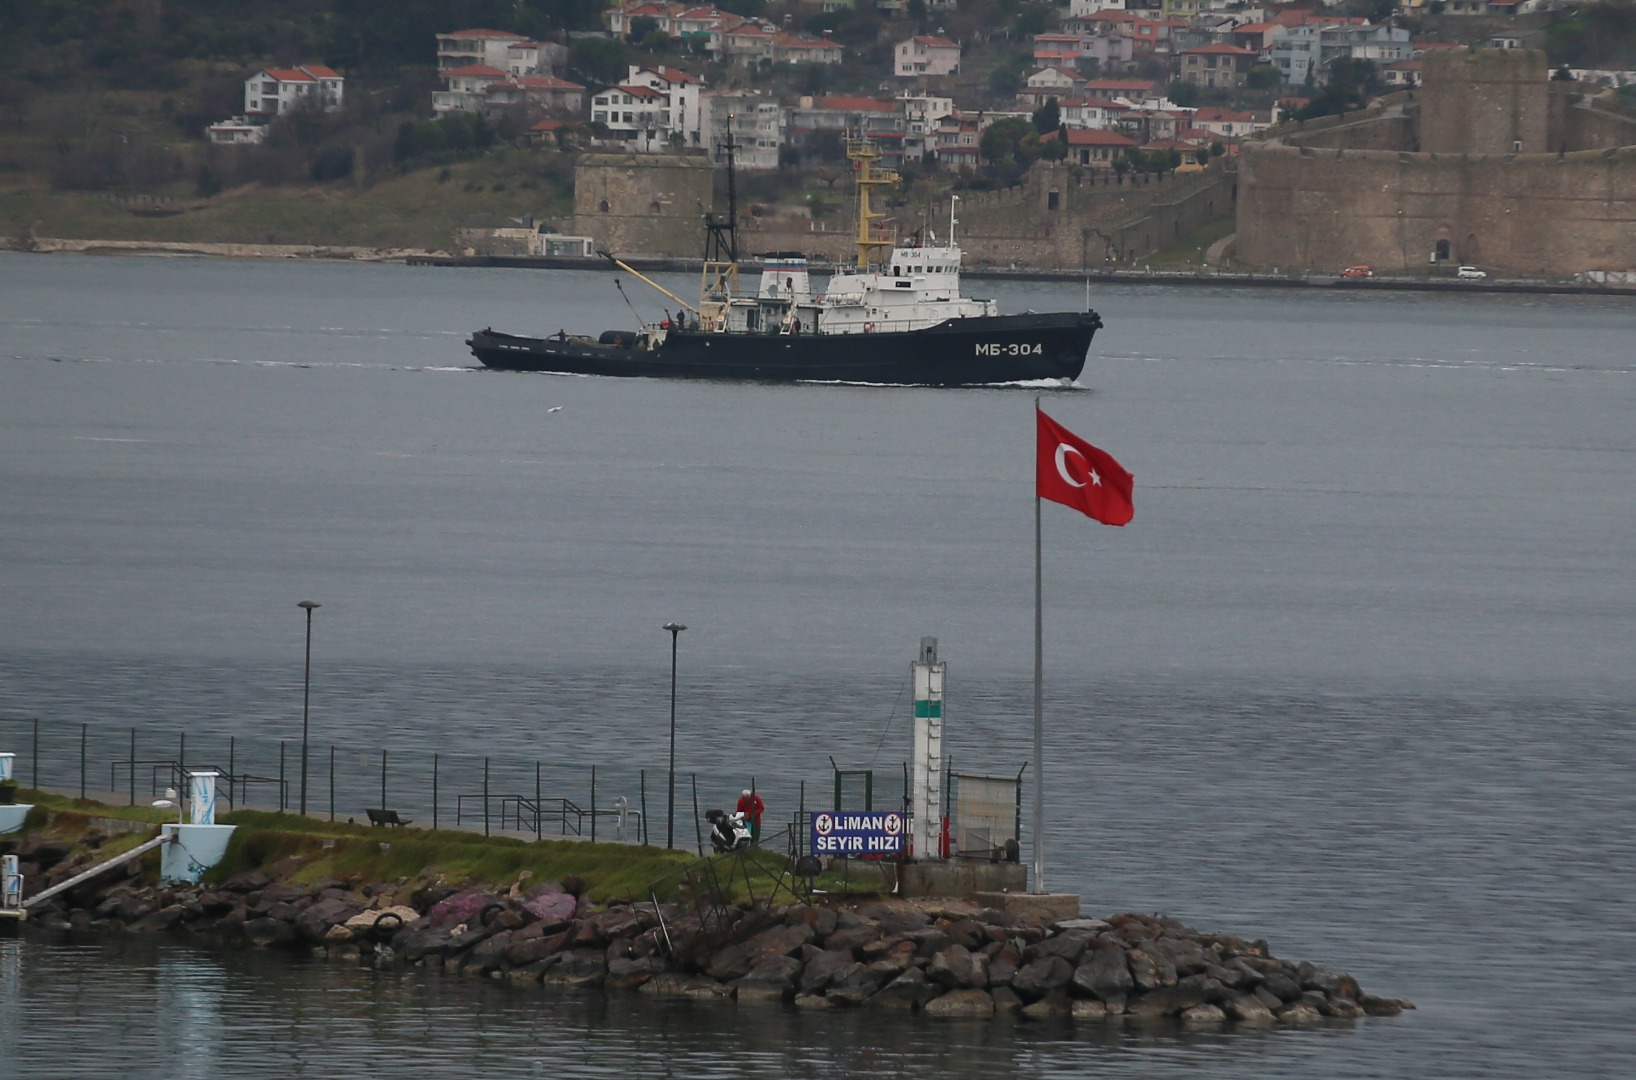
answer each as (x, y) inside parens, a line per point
(751, 806)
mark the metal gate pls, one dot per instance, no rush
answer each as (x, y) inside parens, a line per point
(985, 817)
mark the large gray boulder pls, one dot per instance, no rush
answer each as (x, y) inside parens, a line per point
(771, 980)
(1040, 978)
(910, 990)
(738, 960)
(1070, 945)
(826, 969)
(967, 1002)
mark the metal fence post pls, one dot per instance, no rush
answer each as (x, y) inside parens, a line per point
(642, 789)
(232, 769)
(383, 780)
(485, 796)
(434, 791)
(133, 766)
(84, 734)
(539, 799)
(332, 781)
(283, 797)
(593, 804)
(34, 751)
(698, 837)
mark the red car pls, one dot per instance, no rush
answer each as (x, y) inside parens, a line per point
(1357, 271)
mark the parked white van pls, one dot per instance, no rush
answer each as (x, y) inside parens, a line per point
(1470, 272)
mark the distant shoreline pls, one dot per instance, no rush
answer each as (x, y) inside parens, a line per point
(664, 264)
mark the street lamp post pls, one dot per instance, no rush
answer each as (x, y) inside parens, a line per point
(306, 695)
(670, 800)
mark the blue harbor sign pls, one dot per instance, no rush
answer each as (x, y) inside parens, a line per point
(846, 832)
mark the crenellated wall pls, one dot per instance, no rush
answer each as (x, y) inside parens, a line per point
(1438, 172)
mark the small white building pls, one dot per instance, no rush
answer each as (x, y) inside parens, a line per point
(926, 56)
(236, 131)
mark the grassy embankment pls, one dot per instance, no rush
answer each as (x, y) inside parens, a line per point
(302, 851)
(419, 209)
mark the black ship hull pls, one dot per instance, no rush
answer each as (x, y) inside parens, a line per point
(958, 352)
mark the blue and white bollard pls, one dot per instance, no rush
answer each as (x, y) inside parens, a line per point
(201, 843)
(11, 884)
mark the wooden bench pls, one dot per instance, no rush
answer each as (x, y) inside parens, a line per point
(387, 817)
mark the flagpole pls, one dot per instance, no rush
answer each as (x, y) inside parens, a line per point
(1039, 690)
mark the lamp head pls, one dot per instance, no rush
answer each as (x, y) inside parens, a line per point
(309, 605)
(673, 627)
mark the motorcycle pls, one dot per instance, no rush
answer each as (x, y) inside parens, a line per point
(728, 832)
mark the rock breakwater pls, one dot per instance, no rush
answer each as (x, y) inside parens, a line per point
(941, 958)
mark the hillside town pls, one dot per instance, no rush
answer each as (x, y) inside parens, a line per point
(1115, 77)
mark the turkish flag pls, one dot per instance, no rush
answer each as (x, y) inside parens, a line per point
(1074, 473)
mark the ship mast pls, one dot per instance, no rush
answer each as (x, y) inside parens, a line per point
(865, 154)
(718, 282)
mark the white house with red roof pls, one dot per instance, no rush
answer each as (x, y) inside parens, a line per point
(923, 56)
(1402, 73)
(1094, 146)
(1047, 83)
(1102, 113)
(957, 141)
(1229, 124)
(748, 42)
(806, 49)
(465, 89)
(273, 92)
(654, 108)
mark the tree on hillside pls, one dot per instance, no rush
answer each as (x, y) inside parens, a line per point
(1594, 35)
(1007, 76)
(1263, 77)
(1351, 84)
(1048, 117)
(1034, 19)
(1012, 140)
(600, 61)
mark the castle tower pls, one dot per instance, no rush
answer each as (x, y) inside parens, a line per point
(1484, 101)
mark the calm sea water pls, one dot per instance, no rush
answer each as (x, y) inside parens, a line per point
(1358, 678)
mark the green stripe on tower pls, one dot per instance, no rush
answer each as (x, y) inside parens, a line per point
(931, 709)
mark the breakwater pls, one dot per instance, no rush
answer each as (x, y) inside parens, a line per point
(938, 957)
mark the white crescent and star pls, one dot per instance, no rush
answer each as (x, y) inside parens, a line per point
(1063, 450)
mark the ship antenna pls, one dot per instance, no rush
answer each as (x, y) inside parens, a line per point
(953, 221)
(721, 238)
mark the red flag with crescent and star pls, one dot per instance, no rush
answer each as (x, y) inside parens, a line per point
(1074, 473)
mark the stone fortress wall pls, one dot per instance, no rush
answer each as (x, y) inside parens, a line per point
(1060, 217)
(643, 203)
(1444, 174)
